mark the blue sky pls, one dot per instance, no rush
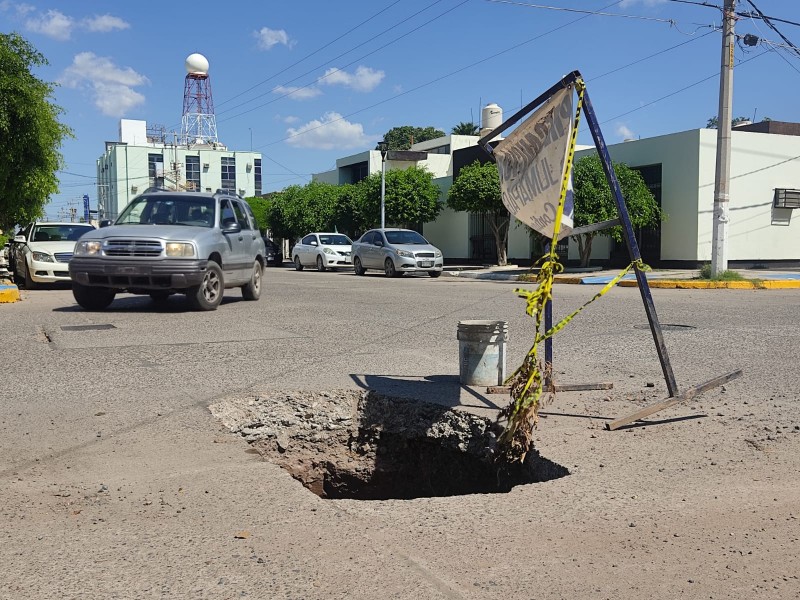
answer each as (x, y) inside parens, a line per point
(305, 82)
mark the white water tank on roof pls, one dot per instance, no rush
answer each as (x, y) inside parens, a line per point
(491, 116)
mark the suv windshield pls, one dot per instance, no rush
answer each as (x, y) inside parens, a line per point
(404, 237)
(166, 209)
(335, 240)
(59, 233)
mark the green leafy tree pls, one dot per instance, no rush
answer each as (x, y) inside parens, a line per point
(594, 201)
(401, 138)
(411, 198)
(477, 190)
(465, 128)
(30, 134)
(300, 209)
(347, 217)
(260, 206)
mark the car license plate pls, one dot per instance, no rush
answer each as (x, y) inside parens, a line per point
(425, 264)
(128, 270)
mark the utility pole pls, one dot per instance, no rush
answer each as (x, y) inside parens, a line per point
(722, 176)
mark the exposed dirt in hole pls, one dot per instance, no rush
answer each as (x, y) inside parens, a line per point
(365, 446)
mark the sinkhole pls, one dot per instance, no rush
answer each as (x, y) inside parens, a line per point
(366, 446)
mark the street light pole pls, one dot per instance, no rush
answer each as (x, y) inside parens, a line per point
(383, 146)
(722, 176)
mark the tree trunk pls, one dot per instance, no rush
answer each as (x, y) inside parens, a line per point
(585, 248)
(499, 222)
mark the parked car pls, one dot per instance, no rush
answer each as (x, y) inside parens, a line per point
(323, 250)
(41, 252)
(274, 253)
(5, 258)
(396, 251)
(168, 242)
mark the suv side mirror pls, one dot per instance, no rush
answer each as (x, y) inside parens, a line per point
(379, 243)
(19, 238)
(105, 222)
(232, 227)
(313, 243)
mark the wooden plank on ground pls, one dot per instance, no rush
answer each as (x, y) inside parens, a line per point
(687, 395)
(560, 387)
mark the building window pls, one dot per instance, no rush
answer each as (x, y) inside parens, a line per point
(439, 150)
(193, 173)
(356, 172)
(228, 173)
(257, 164)
(155, 170)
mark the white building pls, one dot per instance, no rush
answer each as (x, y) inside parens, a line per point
(143, 159)
(678, 168)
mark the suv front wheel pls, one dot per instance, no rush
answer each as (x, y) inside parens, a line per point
(208, 294)
(92, 298)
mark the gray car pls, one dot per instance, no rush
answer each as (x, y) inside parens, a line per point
(396, 251)
(167, 242)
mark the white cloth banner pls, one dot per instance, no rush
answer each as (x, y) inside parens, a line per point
(531, 164)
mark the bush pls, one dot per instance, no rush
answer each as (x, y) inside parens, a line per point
(705, 273)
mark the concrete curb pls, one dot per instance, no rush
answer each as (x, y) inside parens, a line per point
(684, 284)
(8, 292)
(775, 284)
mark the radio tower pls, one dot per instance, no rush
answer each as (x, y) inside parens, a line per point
(199, 125)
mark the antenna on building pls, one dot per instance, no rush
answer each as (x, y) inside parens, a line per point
(199, 124)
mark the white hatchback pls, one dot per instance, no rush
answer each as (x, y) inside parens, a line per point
(323, 250)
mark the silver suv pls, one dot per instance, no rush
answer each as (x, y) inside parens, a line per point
(167, 242)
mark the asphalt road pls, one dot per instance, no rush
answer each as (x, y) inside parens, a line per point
(116, 481)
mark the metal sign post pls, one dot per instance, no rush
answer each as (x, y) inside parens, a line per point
(633, 251)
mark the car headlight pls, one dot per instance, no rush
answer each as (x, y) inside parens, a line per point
(43, 257)
(329, 251)
(180, 249)
(405, 253)
(438, 254)
(87, 248)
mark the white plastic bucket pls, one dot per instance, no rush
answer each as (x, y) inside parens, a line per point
(482, 352)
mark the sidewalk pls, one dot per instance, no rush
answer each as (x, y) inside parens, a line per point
(668, 278)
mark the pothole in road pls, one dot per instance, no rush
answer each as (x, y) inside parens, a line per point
(365, 446)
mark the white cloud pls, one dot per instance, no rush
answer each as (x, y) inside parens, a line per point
(297, 93)
(363, 80)
(624, 132)
(53, 23)
(329, 132)
(290, 119)
(111, 86)
(267, 38)
(104, 23)
(19, 9)
(58, 26)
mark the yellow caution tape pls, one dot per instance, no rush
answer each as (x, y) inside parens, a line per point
(527, 381)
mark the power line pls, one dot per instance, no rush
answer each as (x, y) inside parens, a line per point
(309, 55)
(683, 89)
(345, 66)
(437, 79)
(636, 62)
(587, 12)
(769, 24)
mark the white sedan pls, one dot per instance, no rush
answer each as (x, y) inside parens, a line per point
(323, 250)
(42, 251)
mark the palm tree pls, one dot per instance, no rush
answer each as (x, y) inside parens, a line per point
(465, 128)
